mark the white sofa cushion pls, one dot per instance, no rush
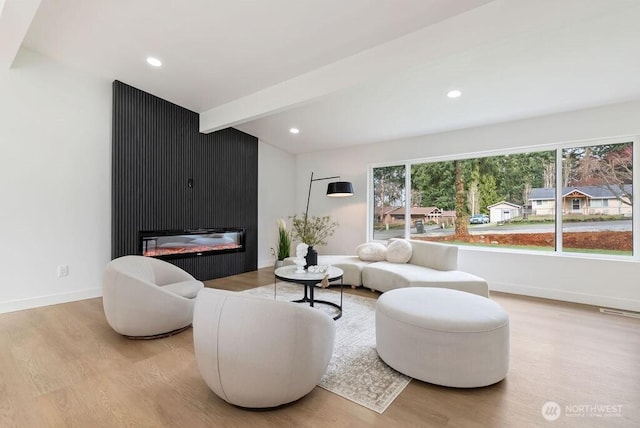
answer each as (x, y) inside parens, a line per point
(399, 251)
(371, 252)
(434, 255)
(385, 276)
(188, 289)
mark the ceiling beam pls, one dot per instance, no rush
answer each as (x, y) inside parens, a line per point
(369, 65)
(15, 18)
(483, 26)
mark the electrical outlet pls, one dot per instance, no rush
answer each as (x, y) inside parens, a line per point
(63, 270)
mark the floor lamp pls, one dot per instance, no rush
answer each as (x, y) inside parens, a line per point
(335, 189)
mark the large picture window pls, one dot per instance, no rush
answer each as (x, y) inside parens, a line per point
(516, 200)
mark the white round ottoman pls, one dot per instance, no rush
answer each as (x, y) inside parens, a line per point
(443, 336)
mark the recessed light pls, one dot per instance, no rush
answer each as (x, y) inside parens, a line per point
(155, 62)
(454, 93)
(294, 130)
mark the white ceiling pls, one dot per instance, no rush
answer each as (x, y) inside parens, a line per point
(345, 72)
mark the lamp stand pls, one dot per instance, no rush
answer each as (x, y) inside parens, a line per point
(306, 212)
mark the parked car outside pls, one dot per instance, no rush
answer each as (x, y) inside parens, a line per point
(479, 219)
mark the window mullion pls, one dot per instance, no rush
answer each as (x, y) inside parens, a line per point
(635, 219)
(559, 192)
(407, 199)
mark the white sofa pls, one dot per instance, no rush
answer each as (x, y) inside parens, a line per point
(431, 265)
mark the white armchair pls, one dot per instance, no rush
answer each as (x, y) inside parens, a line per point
(256, 352)
(145, 297)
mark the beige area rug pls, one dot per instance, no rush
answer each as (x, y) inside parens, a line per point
(355, 371)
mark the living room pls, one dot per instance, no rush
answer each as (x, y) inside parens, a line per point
(56, 174)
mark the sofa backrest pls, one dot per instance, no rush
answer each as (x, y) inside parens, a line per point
(149, 269)
(434, 255)
(138, 267)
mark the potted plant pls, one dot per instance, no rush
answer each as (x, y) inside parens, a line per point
(312, 231)
(284, 243)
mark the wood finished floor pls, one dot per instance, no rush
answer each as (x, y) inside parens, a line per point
(63, 366)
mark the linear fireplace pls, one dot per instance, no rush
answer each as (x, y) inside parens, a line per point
(174, 244)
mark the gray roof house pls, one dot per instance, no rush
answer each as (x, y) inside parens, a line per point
(592, 200)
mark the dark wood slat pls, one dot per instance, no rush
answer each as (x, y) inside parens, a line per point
(157, 148)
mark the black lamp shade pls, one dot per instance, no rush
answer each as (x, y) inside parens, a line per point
(340, 189)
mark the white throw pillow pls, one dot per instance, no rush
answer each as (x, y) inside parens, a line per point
(399, 251)
(371, 252)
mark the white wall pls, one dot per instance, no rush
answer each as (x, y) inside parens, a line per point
(55, 151)
(55, 142)
(599, 282)
(350, 165)
(276, 178)
(55, 191)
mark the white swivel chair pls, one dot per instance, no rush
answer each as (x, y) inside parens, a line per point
(145, 297)
(257, 352)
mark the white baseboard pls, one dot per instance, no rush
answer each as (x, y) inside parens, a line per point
(53, 299)
(567, 296)
(546, 293)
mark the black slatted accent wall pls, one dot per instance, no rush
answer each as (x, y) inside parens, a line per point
(157, 148)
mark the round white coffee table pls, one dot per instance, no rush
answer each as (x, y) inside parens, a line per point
(308, 280)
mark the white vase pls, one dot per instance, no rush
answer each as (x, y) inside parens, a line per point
(279, 263)
(300, 262)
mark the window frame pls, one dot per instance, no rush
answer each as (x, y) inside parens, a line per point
(558, 147)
